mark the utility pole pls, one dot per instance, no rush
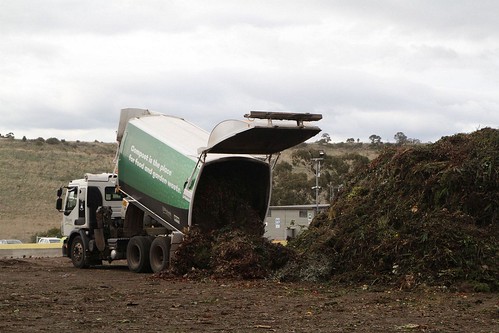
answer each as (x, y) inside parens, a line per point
(317, 161)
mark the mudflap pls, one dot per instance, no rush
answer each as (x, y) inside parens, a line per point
(65, 247)
(100, 241)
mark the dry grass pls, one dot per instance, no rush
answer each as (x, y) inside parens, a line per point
(30, 174)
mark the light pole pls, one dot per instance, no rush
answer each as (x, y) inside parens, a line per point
(331, 192)
(317, 161)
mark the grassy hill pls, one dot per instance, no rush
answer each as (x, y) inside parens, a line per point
(31, 172)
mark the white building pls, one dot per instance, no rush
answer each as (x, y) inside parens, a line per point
(288, 221)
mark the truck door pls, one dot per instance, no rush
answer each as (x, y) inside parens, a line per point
(94, 201)
(70, 210)
(74, 209)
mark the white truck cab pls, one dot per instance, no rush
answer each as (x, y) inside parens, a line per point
(82, 199)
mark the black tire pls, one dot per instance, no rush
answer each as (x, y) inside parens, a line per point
(78, 253)
(159, 254)
(137, 254)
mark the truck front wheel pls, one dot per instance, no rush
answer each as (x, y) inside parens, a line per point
(160, 254)
(78, 256)
(137, 254)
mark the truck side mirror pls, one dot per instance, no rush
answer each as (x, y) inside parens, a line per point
(58, 204)
(59, 192)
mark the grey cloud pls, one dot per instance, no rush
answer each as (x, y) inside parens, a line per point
(119, 17)
(69, 16)
(457, 19)
(348, 99)
(427, 66)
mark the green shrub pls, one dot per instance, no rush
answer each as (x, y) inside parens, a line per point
(54, 232)
(52, 141)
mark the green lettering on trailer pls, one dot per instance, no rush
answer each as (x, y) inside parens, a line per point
(151, 166)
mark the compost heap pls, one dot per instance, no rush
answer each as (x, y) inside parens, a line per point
(227, 240)
(419, 214)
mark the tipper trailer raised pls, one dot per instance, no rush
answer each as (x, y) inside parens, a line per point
(166, 179)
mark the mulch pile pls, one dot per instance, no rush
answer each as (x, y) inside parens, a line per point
(425, 214)
(420, 214)
(227, 240)
(229, 253)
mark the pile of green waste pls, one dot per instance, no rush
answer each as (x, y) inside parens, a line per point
(417, 214)
(228, 253)
(227, 238)
(422, 214)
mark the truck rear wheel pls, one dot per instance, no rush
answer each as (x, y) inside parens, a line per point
(137, 254)
(160, 254)
(78, 256)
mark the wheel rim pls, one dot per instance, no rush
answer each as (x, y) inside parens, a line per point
(78, 252)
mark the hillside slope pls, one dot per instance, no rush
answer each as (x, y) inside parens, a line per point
(30, 174)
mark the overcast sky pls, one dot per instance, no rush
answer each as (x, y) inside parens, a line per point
(426, 68)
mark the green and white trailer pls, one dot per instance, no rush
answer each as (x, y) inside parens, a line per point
(173, 175)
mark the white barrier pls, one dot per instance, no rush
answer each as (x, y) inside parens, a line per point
(30, 250)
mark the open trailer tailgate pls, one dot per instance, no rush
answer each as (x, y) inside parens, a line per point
(262, 133)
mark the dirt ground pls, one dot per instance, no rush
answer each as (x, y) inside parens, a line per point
(49, 294)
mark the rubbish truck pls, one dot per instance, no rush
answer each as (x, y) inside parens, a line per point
(167, 178)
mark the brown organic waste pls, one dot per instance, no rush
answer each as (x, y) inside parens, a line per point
(228, 254)
(227, 238)
(420, 215)
(424, 214)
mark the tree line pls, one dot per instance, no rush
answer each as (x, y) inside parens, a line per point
(400, 139)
